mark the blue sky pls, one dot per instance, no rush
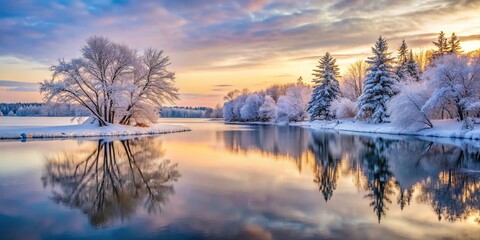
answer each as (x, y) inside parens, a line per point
(248, 43)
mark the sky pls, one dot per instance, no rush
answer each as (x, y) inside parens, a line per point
(216, 46)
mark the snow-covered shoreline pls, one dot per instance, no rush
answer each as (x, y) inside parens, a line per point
(87, 130)
(441, 128)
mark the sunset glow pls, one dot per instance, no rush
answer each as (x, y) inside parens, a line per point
(218, 46)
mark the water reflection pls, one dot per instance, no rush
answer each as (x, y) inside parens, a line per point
(108, 181)
(272, 140)
(387, 170)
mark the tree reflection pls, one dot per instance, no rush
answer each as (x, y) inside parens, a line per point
(445, 176)
(379, 177)
(282, 141)
(404, 196)
(109, 181)
(326, 170)
(454, 193)
(389, 170)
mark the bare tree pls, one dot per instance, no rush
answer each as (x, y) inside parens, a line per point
(422, 58)
(232, 95)
(114, 82)
(353, 80)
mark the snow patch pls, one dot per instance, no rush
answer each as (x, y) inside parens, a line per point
(86, 129)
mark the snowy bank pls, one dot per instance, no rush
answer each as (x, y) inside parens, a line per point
(441, 128)
(86, 129)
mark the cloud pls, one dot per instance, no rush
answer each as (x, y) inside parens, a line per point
(286, 75)
(221, 87)
(17, 86)
(198, 95)
(260, 30)
(226, 36)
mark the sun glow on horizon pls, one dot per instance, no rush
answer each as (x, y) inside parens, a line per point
(234, 46)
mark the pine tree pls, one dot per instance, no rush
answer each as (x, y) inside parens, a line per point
(402, 53)
(379, 84)
(412, 68)
(454, 45)
(441, 44)
(402, 61)
(326, 88)
(300, 80)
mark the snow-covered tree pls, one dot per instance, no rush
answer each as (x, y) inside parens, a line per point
(250, 110)
(217, 112)
(455, 81)
(379, 84)
(268, 110)
(114, 82)
(326, 88)
(343, 108)
(412, 70)
(236, 100)
(454, 45)
(406, 108)
(277, 90)
(292, 107)
(228, 112)
(238, 104)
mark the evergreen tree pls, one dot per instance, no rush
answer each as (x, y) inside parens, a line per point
(402, 53)
(412, 68)
(441, 44)
(326, 88)
(454, 45)
(300, 80)
(379, 84)
(402, 61)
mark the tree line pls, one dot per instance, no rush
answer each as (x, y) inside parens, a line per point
(75, 110)
(408, 90)
(42, 110)
(191, 112)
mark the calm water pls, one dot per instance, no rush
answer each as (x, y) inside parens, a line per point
(240, 182)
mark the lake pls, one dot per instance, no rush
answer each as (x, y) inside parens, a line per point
(239, 182)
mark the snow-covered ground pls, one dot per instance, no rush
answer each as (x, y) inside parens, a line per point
(86, 129)
(441, 128)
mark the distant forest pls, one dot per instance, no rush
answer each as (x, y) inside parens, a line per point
(70, 110)
(191, 112)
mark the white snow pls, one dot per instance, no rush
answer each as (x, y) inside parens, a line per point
(86, 129)
(441, 128)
